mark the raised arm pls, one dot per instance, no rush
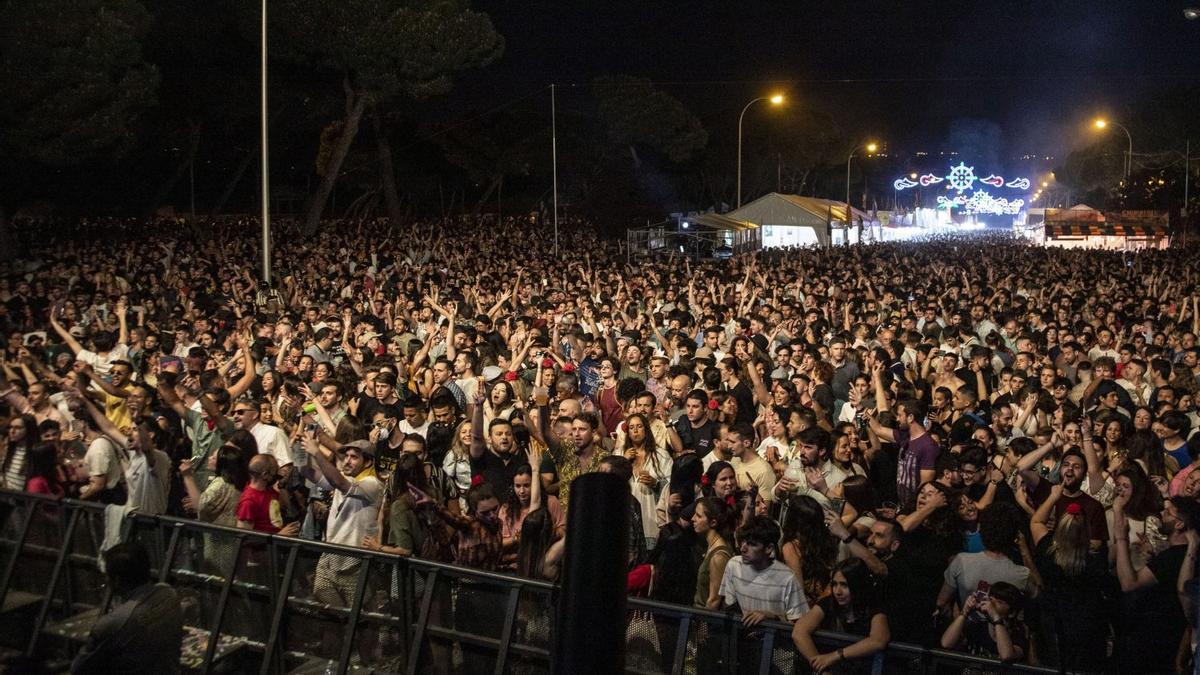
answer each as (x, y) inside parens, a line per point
(478, 446)
(62, 332)
(105, 426)
(336, 478)
(248, 371)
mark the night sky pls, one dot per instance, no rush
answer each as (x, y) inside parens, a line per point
(1027, 76)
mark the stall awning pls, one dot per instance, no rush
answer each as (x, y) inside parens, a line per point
(1089, 229)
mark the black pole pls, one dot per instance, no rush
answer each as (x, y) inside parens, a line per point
(590, 636)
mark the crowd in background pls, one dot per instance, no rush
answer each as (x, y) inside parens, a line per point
(970, 443)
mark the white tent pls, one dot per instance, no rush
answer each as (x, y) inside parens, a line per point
(792, 220)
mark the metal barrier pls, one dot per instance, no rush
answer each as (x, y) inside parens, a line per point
(259, 603)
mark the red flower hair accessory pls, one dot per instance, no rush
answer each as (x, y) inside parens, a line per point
(712, 404)
(547, 362)
(1074, 509)
(569, 368)
(476, 481)
(704, 480)
(510, 376)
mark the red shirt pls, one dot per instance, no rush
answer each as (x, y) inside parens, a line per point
(260, 507)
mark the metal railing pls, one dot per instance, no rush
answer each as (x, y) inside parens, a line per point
(259, 603)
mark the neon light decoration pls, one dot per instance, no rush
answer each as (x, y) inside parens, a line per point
(960, 179)
(981, 202)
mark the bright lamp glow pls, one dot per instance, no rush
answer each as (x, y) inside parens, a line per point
(1045, 184)
(871, 147)
(1101, 123)
(777, 99)
(913, 175)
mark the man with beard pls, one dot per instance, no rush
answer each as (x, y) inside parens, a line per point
(1152, 617)
(439, 431)
(812, 448)
(1072, 471)
(496, 458)
(579, 454)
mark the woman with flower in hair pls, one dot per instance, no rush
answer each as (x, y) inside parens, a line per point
(1073, 628)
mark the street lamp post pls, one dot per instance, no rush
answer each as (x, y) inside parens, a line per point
(870, 147)
(777, 99)
(1102, 123)
(266, 190)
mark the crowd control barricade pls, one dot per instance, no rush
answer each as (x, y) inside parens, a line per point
(256, 603)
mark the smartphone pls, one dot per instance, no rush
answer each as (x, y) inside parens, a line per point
(167, 361)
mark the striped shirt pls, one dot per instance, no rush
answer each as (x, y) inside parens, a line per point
(773, 590)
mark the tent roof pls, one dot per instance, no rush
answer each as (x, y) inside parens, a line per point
(717, 221)
(781, 209)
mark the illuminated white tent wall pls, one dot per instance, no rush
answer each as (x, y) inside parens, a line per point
(792, 220)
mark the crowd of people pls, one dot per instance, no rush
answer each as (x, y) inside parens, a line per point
(973, 443)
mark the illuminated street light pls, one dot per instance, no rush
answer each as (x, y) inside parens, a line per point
(1102, 123)
(869, 147)
(1045, 184)
(776, 99)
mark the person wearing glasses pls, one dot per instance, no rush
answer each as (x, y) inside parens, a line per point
(271, 439)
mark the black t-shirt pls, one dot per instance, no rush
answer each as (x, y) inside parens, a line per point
(698, 438)
(368, 406)
(1074, 608)
(1153, 619)
(745, 400)
(1003, 493)
(498, 471)
(909, 606)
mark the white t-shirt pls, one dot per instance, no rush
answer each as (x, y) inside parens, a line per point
(774, 589)
(147, 485)
(406, 428)
(101, 459)
(272, 441)
(352, 512)
(102, 364)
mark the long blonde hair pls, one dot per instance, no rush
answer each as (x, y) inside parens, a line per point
(1069, 545)
(459, 450)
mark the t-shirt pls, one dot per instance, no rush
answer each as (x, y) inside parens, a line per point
(698, 438)
(1075, 606)
(102, 364)
(758, 472)
(969, 572)
(351, 513)
(916, 454)
(272, 441)
(1093, 513)
(745, 400)
(773, 589)
(498, 470)
(101, 460)
(261, 508)
(1153, 619)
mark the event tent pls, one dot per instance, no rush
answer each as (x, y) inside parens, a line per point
(792, 220)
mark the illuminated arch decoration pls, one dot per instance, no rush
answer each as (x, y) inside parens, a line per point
(960, 179)
(981, 201)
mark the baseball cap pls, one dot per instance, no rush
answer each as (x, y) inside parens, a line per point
(365, 447)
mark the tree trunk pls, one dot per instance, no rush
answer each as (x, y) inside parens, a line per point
(487, 194)
(8, 244)
(236, 177)
(168, 185)
(387, 174)
(356, 103)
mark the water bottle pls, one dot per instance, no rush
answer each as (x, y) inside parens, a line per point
(795, 470)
